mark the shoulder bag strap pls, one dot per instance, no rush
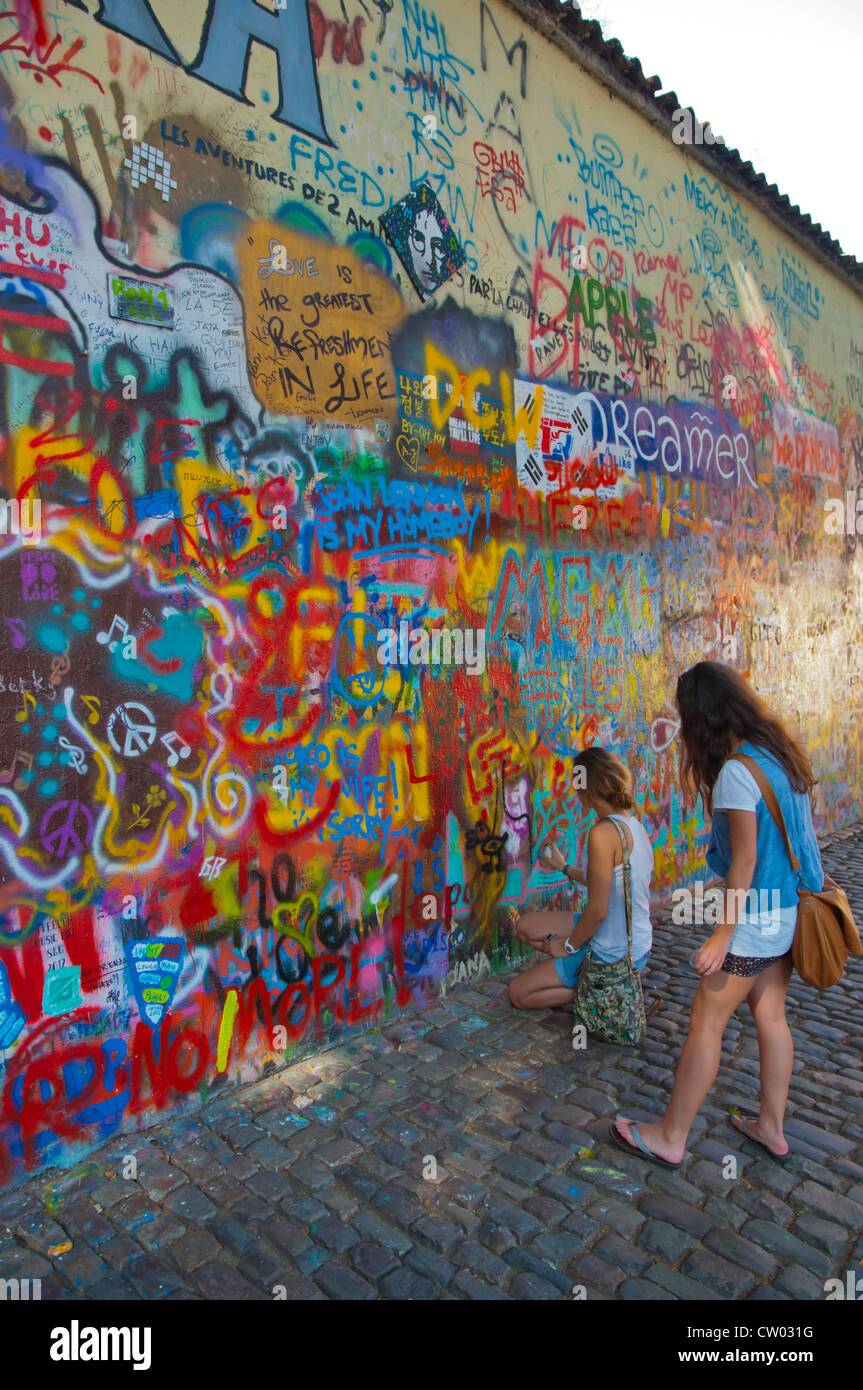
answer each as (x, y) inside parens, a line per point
(770, 801)
(627, 879)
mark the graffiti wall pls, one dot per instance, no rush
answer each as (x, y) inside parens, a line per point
(387, 413)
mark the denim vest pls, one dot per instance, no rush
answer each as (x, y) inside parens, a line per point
(773, 867)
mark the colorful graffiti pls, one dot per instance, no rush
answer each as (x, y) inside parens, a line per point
(574, 396)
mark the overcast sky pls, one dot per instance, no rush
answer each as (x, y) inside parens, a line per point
(780, 80)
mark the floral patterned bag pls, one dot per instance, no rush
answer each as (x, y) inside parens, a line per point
(608, 999)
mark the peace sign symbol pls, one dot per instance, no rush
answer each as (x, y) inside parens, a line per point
(63, 838)
(140, 732)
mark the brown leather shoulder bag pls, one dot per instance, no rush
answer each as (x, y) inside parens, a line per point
(826, 930)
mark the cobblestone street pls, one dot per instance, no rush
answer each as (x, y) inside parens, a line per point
(311, 1183)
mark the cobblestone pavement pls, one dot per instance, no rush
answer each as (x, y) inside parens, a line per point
(311, 1182)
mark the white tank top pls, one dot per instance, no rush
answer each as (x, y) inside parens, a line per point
(609, 941)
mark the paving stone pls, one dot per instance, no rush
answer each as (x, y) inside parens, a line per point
(531, 1264)
(470, 1255)
(110, 1291)
(766, 1293)
(682, 1287)
(477, 1289)
(234, 1236)
(665, 1241)
(831, 1205)
(679, 1214)
(262, 1269)
(546, 1210)
(430, 1265)
(190, 1204)
(826, 1235)
(396, 1205)
(218, 1281)
(441, 1235)
(310, 1173)
(194, 1249)
(407, 1285)
(642, 1289)
(595, 1274)
(372, 1261)
(532, 1288)
(303, 1210)
(799, 1283)
(157, 1177)
(291, 1241)
(151, 1277)
(270, 1187)
(620, 1252)
(729, 1280)
(374, 1228)
(335, 1235)
(18, 1263)
(787, 1246)
(160, 1233)
(496, 1238)
(225, 1191)
(625, 1220)
(582, 1226)
(39, 1232)
(761, 1205)
(501, 1212)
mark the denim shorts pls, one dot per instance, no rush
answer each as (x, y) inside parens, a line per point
(568, 966)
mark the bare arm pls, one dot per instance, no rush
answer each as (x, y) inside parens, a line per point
(601, 843)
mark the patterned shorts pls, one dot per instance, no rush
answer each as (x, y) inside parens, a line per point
(746, 966)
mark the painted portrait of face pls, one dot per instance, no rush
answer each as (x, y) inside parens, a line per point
(427, 249)
(424, 240)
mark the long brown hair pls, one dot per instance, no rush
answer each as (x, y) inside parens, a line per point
(607, 777)
(717, 707)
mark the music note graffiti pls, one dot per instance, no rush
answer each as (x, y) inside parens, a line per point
(90, 701)
(108, 639)
(169, 740)
(76, 754)
(18, 629)
(22, 715)
(59, 666)
(20, 782)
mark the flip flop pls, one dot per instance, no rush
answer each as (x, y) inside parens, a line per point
(639, 1148)
(744, 1130)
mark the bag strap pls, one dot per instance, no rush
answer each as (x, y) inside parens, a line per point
(770, 801)
(627, 879)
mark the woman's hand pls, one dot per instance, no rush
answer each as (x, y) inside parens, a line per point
(556, 947)
(711, 957)
(553, 859)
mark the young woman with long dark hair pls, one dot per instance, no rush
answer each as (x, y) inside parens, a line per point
(748, 955)
(604, 786)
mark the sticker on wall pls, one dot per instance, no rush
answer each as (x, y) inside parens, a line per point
(319, 326)
(155, 967)
(62, 992)
(424, 240)
(140, 302)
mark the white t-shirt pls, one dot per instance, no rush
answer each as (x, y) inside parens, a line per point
(737, 790)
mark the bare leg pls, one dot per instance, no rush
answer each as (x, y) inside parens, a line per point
(776, 1054)
(539, 987)
(717, 998)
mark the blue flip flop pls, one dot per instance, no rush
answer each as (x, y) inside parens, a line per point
(639, 1148)
(745, 1122)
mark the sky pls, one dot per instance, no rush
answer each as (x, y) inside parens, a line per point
(780, 80)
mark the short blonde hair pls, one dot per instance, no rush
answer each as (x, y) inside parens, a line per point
(607, 777)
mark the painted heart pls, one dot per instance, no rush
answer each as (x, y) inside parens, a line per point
(408, 450)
